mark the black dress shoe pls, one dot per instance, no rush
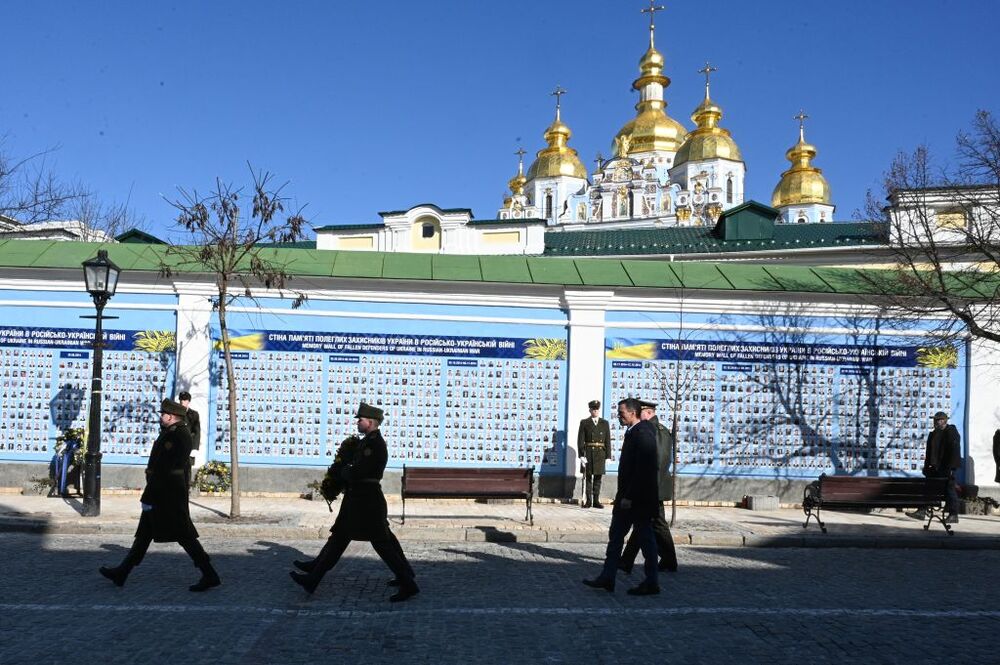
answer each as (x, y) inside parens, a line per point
(305, 581)
(587, 504)
(305, 565)
(625, 567)
(405, 591)
(598, 504)
(118, 575)
(643, 590)
(208, 580)
(600, 583)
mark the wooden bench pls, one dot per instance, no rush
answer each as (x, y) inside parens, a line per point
(421, 482)
(865, 492)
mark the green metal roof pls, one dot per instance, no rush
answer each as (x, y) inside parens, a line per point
(350, 227)
(593, 272)
(702, 240)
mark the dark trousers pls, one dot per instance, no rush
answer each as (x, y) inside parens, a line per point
(621, 522)
(664, 543)
(142, 541)
(951, 491)
(389, 550)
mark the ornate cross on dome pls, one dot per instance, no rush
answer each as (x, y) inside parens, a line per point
(520, 152)
(599, 160)
(653, 8)
(801, 117)
(558, 93)
(707, 71)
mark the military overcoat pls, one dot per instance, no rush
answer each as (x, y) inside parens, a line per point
(166, 487)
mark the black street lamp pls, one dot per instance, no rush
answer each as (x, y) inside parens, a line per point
(101, 276)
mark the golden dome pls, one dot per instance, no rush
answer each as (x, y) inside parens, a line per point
(708, 140)
(651, 129)
(803, 183)
(557, 158)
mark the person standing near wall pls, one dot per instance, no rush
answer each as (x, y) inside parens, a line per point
(635, 502)
(194, 427)
(165, 517)
(363, 513)
(593, 446)
(942, 458)
(661, 529)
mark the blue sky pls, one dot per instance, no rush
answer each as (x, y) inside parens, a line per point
(371, 106)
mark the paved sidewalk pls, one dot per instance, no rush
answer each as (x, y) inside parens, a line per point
(461, 520)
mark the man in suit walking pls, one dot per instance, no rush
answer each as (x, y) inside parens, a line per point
(194, 428)
(635, 502)
(593, 446)
(661, 529)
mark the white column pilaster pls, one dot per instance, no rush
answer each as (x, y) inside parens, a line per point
(194, 354)
(585, 366)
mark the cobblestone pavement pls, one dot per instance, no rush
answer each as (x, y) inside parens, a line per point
(494, 602)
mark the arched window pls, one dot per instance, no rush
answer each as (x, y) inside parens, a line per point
(548, 206)
(729, 189)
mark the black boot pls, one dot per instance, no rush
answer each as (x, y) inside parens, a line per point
(587, 491)
(305, 565)
(118, 574)
(209, 579)
(597, 492)
(307, 581)
(407, 589)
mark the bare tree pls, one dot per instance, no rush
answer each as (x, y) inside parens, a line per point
(943, 232)
(228, 241)
(30, 191)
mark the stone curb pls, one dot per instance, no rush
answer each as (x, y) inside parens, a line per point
(500, 535)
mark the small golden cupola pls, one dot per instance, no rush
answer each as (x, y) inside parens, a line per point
(708, 140)
(557, 158)
(803, 183)
(651, 129)
(516, 184)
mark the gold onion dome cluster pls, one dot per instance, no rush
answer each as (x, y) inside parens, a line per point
(803, 183)
(557, 158)
(708, 140)
(651, 129)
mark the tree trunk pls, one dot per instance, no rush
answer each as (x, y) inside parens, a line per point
(234, 455)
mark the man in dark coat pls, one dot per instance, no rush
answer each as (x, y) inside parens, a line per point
(165, 517)
(996, 454)
(942, 457)
(363, 513)
(635, 501)
(661, 529)
(593, 445)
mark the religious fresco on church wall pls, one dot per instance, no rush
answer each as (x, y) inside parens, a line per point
(45, 376)
(454, 393)
(777, 404)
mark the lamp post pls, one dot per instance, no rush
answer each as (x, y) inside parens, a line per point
(101, 277)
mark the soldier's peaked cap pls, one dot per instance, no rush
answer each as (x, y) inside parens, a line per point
(172, 407)
(369, 411)
(593, 404)
(646, 405)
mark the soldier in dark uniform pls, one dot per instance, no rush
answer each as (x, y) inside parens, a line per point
(363, 514)
(165, 517)
(194, 427)
(661, 529)
(593, 445)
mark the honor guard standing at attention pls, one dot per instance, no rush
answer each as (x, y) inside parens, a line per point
(593, 445)
(165, 517)
(357, 472)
